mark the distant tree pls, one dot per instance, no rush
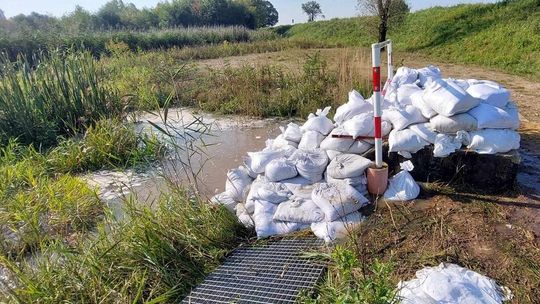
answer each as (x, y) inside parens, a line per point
(2, 15)
(79, 20)
(312, 9)
(390, 13)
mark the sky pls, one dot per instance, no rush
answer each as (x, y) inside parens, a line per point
(289, 10)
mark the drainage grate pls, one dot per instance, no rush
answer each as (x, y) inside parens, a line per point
(275, 272)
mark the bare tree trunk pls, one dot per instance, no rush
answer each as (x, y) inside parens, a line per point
(383, 28)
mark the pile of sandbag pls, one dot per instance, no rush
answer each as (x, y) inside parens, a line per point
(310, 176)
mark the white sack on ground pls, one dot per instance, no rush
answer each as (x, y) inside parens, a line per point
(237, 184)
(359, 125)
(450, 283)
(402, 118)
(362, 146)
(417, 100)
(299, 210)
(337, 144)
(265, 226)
(274, 193)
(295, 183)
(347, 166)
(356, 105)
(403, 76)
(453, 124)
(319, 122)
(250, 199)
(404, 93)
(427, 74)
(338, 229)
(425, 131)
(280, 143)
(280, 169)
(337, 200)
(448, 144)
(292, 132)
(310, 163)
(353, 181)
(243, 216)
(332, 153)
(226, 200)
(406, 141)
(491, 117)
(490, 93)
(310, 140)
(447, 98)
(402, 186)
(492, 141)
(257, 161)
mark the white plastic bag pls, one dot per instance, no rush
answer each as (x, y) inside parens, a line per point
(406, 91)
(406, 141)
(492, 141)
(280, 169)
(347, 166)
(237, 184)
(337, 200)
(425, 131)
(299, 210)
(356, 105)
(453, 124)
(491, 117)
(449, 283)
(417, 100)
(490, 93)
(338, 229)
(319, 122)
(265, 225)
(447, 98)
(310, 163)
(402, 186)
(448, 144)
(292, 132)
(226, 200)
(403, 117)
(310, 140)
(427, 74)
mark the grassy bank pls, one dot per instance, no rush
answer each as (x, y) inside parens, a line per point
(503, 35)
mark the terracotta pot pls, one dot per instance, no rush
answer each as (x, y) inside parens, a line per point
(377, 179)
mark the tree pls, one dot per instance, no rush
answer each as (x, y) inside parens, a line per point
(390, 13)
(312, 9)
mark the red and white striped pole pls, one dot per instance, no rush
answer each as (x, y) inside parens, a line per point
(377, 109)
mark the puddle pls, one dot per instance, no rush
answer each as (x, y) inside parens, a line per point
(529, 173)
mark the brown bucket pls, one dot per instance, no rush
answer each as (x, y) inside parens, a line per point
(377, 179)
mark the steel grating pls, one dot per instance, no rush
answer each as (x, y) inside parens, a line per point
(274, 272)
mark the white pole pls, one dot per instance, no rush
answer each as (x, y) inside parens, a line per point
(377, 112)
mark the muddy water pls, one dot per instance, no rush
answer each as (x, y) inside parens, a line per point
(203, 148)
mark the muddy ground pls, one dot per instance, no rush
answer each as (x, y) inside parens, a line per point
(497, 235)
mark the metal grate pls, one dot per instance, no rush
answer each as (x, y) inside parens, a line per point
(275, 272)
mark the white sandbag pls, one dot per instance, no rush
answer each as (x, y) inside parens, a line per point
(338, 229)
(359, 125)
(265, 225)
(353, 181)
(362, 146)
(425, 131)
(404, 93)
(310, 140)
(356, 105)
(347, 166)
(491, 117)
(257, 161)
(337, 200)
(243, 216)
(449, 283)
(331, 154)
(299, 210)
(417, 100)
(489, 93)
(237, 184)
(447, 98)
(491, 141)
(293, 184)
(274, 193)
(403, 117)
(402, 186)
(226, 200)
(250, 199)
(280, 169)
(292, 132)
(429, 73)
(337, 144)
(319, 122)
(280, 143)
(310, 163)
(404, 76)
(453, 124)
(447, 144)
(406, 141)
(464, 84)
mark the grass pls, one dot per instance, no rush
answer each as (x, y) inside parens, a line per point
(156, 258)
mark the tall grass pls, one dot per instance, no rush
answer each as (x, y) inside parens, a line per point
(60, 95)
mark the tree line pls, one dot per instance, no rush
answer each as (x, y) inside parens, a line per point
(117, 14)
